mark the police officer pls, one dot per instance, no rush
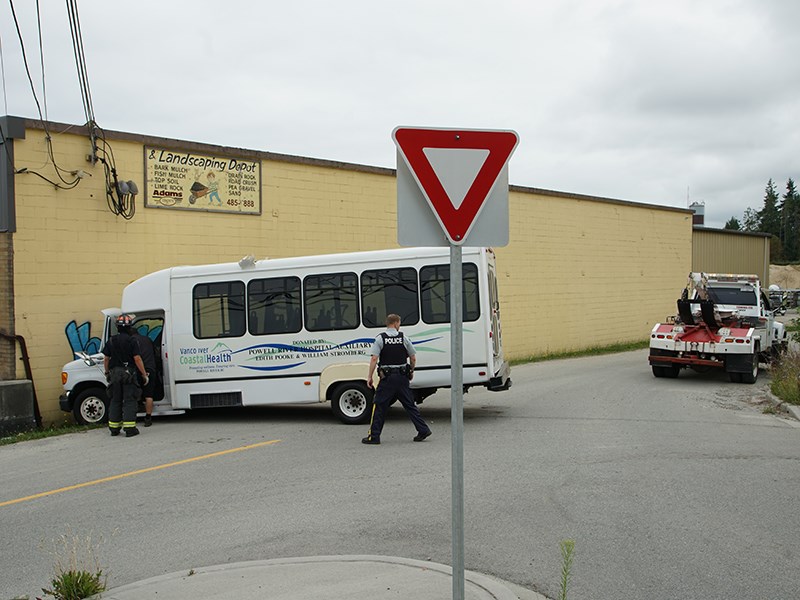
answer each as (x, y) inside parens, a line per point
(389, 353)
(122, 360)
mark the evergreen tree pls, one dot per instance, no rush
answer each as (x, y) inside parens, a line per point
(733, 223)
(769, 215)
(790, 217)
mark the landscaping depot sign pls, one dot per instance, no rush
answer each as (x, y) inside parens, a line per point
(191, 181)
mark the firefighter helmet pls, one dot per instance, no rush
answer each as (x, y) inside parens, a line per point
(124, 321)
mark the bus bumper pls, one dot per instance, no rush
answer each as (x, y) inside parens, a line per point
(65, 403)
(502, 380)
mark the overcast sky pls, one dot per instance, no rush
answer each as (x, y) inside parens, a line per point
(656, 102)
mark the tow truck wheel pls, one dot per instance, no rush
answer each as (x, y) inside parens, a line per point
(91, 407)
(751, 376)
(670, 371)
(352, 402)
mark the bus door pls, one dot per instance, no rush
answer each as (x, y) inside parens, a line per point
(153, 328)
(494, 306)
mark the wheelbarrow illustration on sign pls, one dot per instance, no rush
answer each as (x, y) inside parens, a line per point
(198, 190)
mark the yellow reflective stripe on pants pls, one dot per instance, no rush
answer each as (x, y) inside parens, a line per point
(129, 424)
(114, 424)
(371, 417)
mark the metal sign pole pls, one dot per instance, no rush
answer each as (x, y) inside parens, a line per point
(457, 419)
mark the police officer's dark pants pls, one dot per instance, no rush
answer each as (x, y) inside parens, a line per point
(124, 400)
(394, 385)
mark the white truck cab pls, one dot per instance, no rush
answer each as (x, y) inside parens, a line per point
(84, 378)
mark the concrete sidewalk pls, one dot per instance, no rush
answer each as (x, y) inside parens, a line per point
(328, 577)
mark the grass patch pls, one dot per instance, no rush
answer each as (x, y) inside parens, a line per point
(77, 573)
(51, 431)
(786, 377)
(76, 585)
(593, 351)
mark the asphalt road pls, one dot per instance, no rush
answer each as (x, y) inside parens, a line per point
(670, 488)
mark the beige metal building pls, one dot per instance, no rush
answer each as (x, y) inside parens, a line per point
(726, 251)
(578, 272)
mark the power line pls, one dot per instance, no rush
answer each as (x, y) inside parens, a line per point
(48, 139)
(3, 71)
(41, 57)
(25, 60)
(80, 59)
(120, 195)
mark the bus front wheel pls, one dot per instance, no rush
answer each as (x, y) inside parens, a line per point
(91, 407)
(352, 402)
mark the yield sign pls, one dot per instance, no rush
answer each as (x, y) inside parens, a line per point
(456, 170)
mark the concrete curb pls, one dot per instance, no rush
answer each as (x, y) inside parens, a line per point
(789, 409)
(349, 577)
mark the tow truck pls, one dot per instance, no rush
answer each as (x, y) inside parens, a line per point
(724, 321)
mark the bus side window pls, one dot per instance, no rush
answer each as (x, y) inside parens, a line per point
(218, 309)
(272, 304)
(387, 291)
(435, 293)
(331, 301)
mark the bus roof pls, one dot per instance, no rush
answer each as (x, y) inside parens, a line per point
(320, 260)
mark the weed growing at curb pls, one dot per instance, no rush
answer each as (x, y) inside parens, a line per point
(786, 377)
(77, 571)
(567, 550)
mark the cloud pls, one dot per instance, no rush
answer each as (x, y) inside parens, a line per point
(626, 99)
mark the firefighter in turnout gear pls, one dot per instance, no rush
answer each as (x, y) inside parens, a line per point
(122, 361)
(389, 353)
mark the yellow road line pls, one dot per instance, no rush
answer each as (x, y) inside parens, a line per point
(138, 472)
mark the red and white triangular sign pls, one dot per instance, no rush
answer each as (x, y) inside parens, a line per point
(456, 170)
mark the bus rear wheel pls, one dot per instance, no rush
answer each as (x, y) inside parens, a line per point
(352, 402)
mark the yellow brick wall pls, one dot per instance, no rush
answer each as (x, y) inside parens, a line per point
(578, 272)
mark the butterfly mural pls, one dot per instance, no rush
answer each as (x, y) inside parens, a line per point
(79, 338)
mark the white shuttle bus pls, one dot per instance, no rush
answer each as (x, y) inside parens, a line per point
(299, 330)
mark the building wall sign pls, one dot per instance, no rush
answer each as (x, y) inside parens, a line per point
(191, 181)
